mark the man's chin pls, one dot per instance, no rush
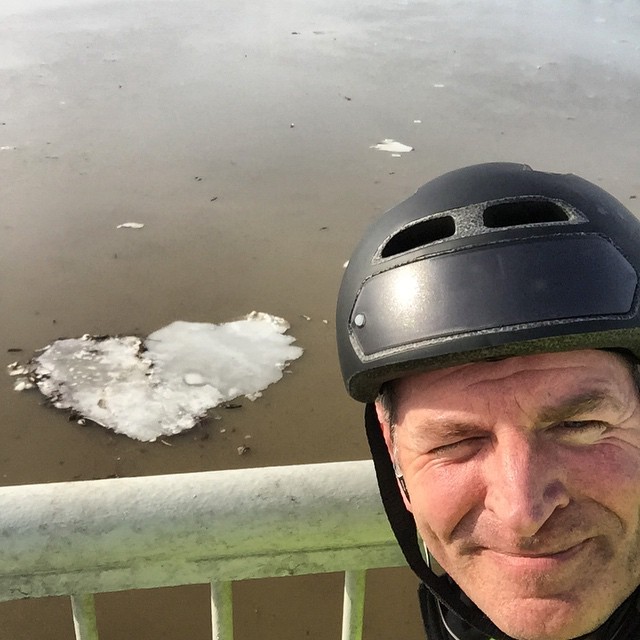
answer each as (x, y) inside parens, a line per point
(541, 618)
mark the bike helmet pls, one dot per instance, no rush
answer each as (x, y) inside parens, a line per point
(489, 261)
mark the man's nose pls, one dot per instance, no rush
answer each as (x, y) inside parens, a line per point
(525, 484)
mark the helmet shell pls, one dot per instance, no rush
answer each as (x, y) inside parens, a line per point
(489, 261)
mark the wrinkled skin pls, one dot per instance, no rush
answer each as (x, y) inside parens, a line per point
(524, 480)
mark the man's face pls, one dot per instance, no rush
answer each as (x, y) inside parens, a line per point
(524, 481)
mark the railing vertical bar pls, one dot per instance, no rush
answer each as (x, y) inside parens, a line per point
(221, 611)
(353, 605)
(83, 607)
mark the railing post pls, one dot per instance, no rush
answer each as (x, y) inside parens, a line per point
(84, 616)
(221, 611)
(353, 605)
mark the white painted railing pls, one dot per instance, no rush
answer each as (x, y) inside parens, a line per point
(82, 538)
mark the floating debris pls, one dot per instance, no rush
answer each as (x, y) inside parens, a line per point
(243, 450)
(130, 225)
(391, 145)
(166, 383)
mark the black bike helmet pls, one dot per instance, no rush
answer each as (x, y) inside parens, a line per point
(492, 260)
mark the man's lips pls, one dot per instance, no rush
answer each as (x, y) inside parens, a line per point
(538, 554)
(539, 559)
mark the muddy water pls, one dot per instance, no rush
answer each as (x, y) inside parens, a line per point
(239, 135)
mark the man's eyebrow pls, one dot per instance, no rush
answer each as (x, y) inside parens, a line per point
(577, 405)
(448, 429)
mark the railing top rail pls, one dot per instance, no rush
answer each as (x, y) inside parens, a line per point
(108, 535)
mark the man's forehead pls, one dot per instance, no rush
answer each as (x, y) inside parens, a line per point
(543, 388)
(596, 369)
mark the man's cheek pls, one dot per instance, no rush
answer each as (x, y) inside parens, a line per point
(440, 502)
(432, 517)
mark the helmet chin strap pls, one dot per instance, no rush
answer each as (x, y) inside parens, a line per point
(404, 529)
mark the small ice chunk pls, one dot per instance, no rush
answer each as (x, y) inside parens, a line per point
(16, 369)
(130, 225)
(391, 145)
(438, 86)
(417, 122)
(22, 384)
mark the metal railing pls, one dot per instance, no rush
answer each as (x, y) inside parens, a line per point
(82, 538)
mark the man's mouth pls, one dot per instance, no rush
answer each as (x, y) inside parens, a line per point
(540, 559)
(537, 554)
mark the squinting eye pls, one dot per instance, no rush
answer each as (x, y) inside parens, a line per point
(460, 448)
(581, 425)
(583, 431)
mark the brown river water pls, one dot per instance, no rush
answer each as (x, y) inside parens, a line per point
(239, 133)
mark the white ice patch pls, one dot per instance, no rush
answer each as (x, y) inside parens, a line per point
(130, 225)
(186, 369)
(392, 145)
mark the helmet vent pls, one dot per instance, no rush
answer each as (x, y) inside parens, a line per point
(513, 214)
(419, 235)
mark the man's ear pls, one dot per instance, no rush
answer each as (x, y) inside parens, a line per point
(391, 448)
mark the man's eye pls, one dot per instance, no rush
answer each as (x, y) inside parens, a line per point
(581, 430)
(581, 425)
(459, 448)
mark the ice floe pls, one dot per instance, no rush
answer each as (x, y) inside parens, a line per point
(388, 144)
(166, 383)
